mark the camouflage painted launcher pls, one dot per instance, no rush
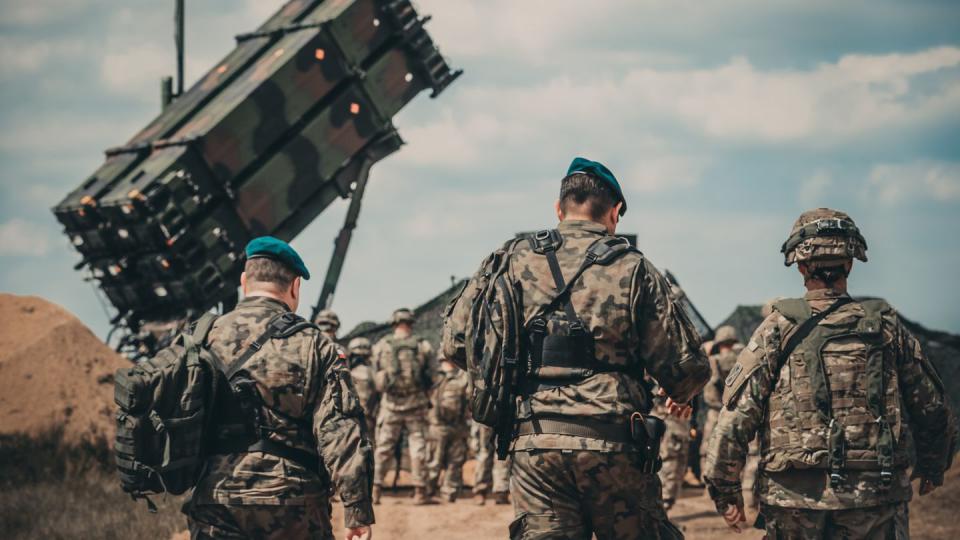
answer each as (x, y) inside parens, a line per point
(261, 144)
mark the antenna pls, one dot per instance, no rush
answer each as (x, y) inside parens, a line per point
(167, 95)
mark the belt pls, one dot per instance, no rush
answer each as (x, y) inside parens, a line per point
(577, 427)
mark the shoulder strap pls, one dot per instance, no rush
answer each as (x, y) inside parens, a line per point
(281, 326)
(795, 309)
(603, 251)
(202, 327)
(804, 329)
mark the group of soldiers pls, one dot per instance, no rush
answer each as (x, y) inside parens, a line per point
(821, 420)
(415, 402)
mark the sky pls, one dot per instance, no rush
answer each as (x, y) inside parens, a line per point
(723, 120)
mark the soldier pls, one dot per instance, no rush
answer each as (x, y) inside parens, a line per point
(491, 474)
(404, 364)
(279, 487)
(361, 372)
(578, 467)
(835, 387)
(449, 430)
(674, 453)
(329, 323)
(722, 359)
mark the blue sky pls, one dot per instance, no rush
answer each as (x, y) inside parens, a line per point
(723, 120)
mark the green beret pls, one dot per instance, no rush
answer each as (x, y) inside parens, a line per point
(601, 172)
(268, 247)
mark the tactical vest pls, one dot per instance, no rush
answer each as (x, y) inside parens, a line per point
(450, 399)
(407, 370)
(560, 346)
(836, 405)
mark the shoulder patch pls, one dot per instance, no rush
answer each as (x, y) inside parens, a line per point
(747, 364)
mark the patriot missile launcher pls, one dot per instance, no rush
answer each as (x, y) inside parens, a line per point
(290, 120)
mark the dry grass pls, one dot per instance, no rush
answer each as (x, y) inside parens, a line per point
(50, 491)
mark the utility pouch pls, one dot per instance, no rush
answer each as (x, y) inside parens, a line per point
(483, 406)
(647, 432)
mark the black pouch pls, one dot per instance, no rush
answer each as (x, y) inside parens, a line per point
(483, 407)
(647, 432)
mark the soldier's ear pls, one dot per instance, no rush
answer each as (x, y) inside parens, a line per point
(558, 209)
(295, 288)
(243, 282)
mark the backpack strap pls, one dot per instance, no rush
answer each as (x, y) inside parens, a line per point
(280, 326)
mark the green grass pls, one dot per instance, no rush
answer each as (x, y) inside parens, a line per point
(48, 490)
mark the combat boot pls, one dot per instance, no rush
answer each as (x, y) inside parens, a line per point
(375, 496)
(480, 499)
(420, 497)
(501, 497)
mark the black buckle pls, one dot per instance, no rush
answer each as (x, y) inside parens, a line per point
(836, 479)
(546, 240)
(833, 225)
(886, 478)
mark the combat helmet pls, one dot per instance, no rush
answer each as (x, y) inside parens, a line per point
(360, 346)
(824, 235)
(329, 318)
(402, 315)
(724, 334)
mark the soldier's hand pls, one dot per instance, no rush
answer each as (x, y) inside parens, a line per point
(679, 410)
(735, 517)
(359, 533)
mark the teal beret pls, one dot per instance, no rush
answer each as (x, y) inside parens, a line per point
(268, 247)
(601, 172)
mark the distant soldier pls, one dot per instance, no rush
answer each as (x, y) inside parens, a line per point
(449, 430)
(405, 367)
(722, 360)
(277, 486)
(359, 352)
(674, 453)
(839, 392)
(596, 314)
(491, 475)
(329, 324)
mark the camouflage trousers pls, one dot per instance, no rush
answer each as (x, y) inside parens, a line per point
(279, 522)
(490, 471)
(390, 425)
(887, 522)
(708, 424)
(674, 451)
(573, 494)
(448, 452)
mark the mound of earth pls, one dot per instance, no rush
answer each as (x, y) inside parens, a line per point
(55, 374)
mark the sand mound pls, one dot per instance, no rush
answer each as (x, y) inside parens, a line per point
(54, 373)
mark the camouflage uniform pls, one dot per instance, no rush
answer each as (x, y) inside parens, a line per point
(449, 431)
(824, 451)
(405, 368)
(720, 365)
(328, 322)
(303, 382)
(362, 374)
(674, 453)
(491, 474)
(568, 486)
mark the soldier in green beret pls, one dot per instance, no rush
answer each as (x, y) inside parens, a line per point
(279, 487)
(597, 315)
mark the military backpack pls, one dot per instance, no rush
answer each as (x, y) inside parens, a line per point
(166, 421)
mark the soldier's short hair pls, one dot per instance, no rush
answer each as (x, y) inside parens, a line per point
(266, 270)
(581, 189)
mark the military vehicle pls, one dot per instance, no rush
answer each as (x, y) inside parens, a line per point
(290, 120)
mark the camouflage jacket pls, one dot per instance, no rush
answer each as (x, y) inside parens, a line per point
(793, 445)
(720, 366)
(362, 375)
(627, 307)
(450, 399)
(404, 372)
(309, 403)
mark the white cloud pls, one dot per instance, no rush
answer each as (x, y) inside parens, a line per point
(19, 57)
(931, 180)
(813, 188)
(19, 237)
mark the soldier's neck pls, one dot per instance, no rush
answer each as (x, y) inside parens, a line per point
(401, 332)
(839, 286)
